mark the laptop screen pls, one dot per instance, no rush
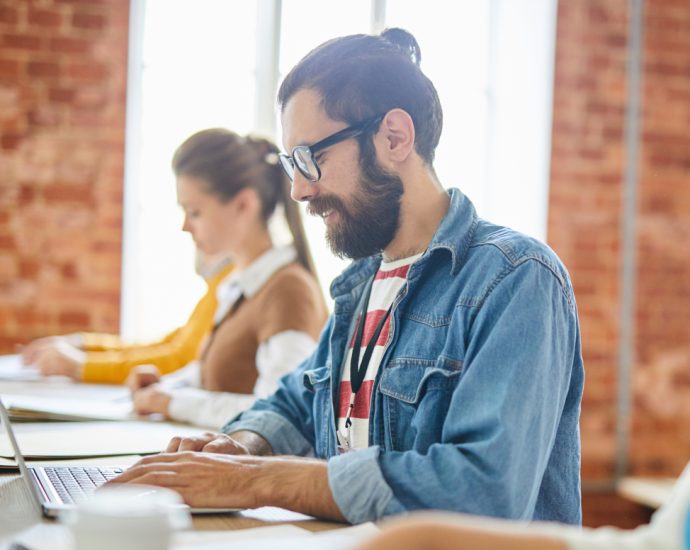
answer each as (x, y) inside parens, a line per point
(7, 432)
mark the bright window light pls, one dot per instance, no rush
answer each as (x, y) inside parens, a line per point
(194, 66)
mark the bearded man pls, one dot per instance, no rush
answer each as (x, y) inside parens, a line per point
(449, 375)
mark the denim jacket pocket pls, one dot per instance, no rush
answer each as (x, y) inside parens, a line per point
(315, 378)
(415, 400)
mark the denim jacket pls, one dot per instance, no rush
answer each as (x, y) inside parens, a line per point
(476, 404)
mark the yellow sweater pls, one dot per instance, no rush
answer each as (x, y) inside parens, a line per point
(109, 361)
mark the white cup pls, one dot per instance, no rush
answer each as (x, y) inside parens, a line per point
(133, 517)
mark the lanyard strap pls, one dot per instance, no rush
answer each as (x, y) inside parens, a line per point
(359, 370)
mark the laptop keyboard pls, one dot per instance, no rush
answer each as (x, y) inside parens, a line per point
(75, 482)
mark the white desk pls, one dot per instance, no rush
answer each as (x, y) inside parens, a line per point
(648, 491)
(17, 510)
(18, 513)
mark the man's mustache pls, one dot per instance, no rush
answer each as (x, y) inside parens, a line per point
(321, 205)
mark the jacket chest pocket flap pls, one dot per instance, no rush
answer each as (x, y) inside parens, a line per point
(407, 379)
(316, 378)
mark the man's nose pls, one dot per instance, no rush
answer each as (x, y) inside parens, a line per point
(185, 225)
(302, 189)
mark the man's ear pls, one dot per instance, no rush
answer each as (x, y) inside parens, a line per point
(395, 138)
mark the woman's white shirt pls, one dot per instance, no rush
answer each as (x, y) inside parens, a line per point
(277, 356)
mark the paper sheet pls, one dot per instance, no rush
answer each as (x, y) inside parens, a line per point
(93, 439)
(11, 368)
(30, 407)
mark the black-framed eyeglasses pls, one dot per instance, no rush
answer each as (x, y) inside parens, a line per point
(302, 156)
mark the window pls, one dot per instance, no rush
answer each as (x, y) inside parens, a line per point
(194, 64)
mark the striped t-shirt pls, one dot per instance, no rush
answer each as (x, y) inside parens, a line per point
(388, 281)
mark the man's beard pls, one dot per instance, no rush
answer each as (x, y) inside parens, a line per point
(369, 223)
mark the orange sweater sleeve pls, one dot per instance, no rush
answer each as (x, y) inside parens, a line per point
(109, 361)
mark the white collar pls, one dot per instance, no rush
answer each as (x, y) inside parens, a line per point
(256, 275)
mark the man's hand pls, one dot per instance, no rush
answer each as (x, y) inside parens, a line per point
(142, 376)
(207, 480)
(151, 400)
(203, 480)
(55, 356)
(238, 443)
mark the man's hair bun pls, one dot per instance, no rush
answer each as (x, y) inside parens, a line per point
(405, 42)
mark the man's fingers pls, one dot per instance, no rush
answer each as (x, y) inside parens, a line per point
(196, 443)
(164, 458)
(174, 445)
(158, 477)
(225, 445)
(165, 461)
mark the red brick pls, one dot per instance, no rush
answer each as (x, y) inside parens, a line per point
(10, 141)
(45, 18)
(9, 68)
(30, 317)
(93, 97)
(7, 242)
(88, 21)
(8, 15)
(88, 71)
(61, 95)
(66, 192)
(74, 318)
(70, 45)
(43, 69)
(84, 2)
(29, 268)
(70, 271)
(21, 42)
(27, 194)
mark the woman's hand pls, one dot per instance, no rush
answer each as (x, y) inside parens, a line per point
(142, 376)
(30, 351)
(151, 400)
(55, 355)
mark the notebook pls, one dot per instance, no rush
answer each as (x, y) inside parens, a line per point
(55, 489)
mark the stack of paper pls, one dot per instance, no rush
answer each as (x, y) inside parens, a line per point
(93, 439)
(30, 407)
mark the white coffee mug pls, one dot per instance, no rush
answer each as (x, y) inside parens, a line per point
(133, 517)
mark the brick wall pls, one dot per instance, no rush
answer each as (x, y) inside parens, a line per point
(585, 216)
(62, 115)
(62, 86)
(661, 423)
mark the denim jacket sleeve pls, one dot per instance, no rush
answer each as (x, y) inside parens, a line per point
(503, 415)
(285, 419)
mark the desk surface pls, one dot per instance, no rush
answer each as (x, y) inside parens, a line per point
(19, 514)
(17, 509)
(650, 492)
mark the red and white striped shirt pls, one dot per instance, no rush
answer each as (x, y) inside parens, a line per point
(388, 282)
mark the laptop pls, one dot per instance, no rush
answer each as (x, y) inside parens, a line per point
(57, 488)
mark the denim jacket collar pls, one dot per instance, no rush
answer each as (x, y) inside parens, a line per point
(453, 234)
